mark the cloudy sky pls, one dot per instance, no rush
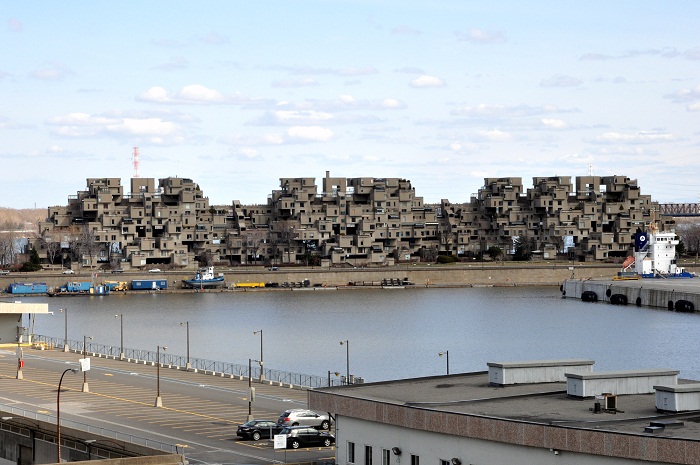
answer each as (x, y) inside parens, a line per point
(445, 93)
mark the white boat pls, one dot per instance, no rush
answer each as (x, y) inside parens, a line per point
(654, 255)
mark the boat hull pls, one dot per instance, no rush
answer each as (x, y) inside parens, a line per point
(203, 283)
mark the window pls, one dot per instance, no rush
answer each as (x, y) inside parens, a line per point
(351, 452)
(368, 455)
(444, 462)
(415, 460)
(386, 456)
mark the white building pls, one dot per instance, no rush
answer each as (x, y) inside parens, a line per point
(463, 419)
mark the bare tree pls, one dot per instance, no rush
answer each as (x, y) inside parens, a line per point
(51, 242)
(446, 236)
(83, 242)
(285, 236)
(691, 238)
(8, 248)
(254, 242)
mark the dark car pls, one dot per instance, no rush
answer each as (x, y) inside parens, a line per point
(298, 436)
(257, 429)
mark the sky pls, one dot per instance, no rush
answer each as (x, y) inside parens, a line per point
(236, 95)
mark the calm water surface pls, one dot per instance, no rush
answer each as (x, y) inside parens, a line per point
(392, 333)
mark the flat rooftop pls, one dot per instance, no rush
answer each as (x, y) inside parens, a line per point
(539, 403)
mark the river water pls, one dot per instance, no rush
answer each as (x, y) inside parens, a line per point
(391, 333)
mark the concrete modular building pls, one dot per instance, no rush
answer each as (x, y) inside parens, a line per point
(348, 221)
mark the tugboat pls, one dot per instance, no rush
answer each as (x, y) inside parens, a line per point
(203, 279)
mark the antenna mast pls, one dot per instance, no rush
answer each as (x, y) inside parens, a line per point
(135, 160)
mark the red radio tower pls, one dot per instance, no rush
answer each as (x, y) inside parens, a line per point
(136, 162)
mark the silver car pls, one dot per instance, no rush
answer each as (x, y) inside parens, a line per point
(301, 417)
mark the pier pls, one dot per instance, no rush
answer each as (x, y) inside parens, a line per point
(673, 294)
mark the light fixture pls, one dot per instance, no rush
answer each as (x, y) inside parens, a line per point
(396, 451)
(456, 461)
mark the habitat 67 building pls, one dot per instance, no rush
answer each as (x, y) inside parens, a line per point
(347, 222)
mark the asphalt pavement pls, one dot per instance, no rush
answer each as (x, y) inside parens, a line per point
(199, 413)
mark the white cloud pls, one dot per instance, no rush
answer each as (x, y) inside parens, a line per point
(294, 116)
(484, 110)
(290, 83)
(685, 94)
(480, 36)
(84, 125)
(200, 93)
(195, 94)
(635, 138)
(560, 80)
(392, 103)
(495, 135)
(55, 71)
(175, 63)
(353, 71)
(427, 81)
(554, 123)
(310, 133)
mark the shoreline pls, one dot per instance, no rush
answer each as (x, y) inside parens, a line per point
(503, 274)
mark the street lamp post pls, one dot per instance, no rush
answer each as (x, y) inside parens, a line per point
(58, 415)
(189, 365)
(159, 401)
(262, 371)
(250, 389)
(121, 335)
(85, 383)
(65, 339)
(347, 360)
(447, 359)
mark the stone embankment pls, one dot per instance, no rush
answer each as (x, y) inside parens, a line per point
(455, 275)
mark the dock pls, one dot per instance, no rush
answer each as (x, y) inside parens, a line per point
(679, 294)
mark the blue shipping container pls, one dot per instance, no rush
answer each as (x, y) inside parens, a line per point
(28, 288)
(149, 284)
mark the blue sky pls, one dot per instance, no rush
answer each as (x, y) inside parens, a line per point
(236, 95)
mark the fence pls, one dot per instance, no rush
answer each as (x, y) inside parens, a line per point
(97, 430)
(200, 364)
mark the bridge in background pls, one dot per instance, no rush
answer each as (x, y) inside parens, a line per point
(679, 209)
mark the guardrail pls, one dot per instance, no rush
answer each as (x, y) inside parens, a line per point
(199, 364)
(97, 430)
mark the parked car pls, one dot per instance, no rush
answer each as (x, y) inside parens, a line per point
(4, 271)
(257, 429)
(118, 270)
(298, 436)
(274, 268)
(68, 272)
(302, 417)
(154, 270)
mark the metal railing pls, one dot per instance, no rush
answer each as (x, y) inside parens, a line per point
(97, 430)
(200, 364)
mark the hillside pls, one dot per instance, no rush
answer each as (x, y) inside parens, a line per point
(20, 220)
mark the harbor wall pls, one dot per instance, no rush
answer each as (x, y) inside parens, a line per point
(642, 293)
(501, 274)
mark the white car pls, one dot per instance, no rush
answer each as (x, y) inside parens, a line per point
(154, 270)
(68, 272)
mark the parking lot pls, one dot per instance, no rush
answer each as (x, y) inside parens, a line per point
(200, 413)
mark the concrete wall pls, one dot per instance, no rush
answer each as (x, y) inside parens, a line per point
(646, 293)
(440, 435)
(432, 447)
(503, 273)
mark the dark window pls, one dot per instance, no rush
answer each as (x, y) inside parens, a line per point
(351, 452)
